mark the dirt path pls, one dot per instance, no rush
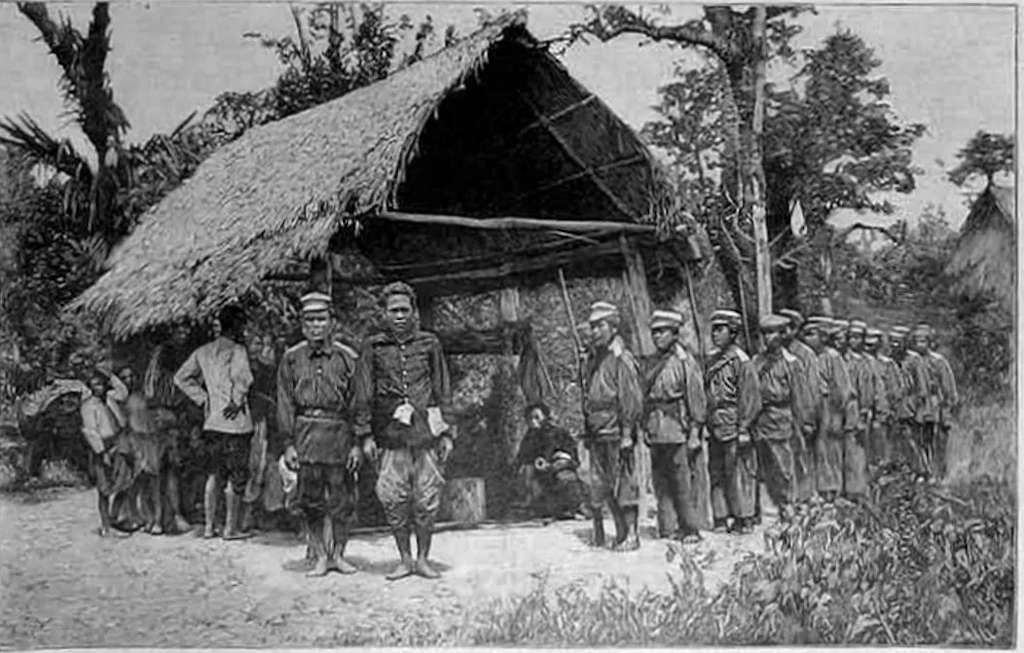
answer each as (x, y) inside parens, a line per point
(64, 586)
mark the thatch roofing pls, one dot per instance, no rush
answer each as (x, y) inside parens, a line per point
(985, 260)
(493, 125)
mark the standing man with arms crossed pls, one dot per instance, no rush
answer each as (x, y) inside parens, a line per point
(217, 377)
(315, 409)
(404, 409)
(675, 409)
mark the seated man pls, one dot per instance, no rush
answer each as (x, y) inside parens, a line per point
(547, 461)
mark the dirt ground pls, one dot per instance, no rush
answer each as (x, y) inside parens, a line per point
(64, 586)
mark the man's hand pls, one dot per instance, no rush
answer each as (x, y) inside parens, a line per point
(232, 410)
(444, 448)
(355, 459)
(743, 436)
(291, 458)
(370, 451)
(694, 442)
(626, 443)
(107, 458)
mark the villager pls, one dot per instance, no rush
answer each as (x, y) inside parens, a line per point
(734, 401)
(547, 462)
(109, 454)
(613, 406)
(404, 410)
(675, 411)
(316, 405)
(217, 377)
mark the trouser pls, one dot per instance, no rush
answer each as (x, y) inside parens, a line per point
(326, 500)
(732, 468)
(926, 438)
(613, 477)
(804, 467)
(409, 487)
(941, 455)
(227, 455)
(879, 445)
(775, 465)
(672, 477)
(855, 463)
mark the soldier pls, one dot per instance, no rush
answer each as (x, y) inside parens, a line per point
(836, 400)
(809, 380)
(783, 406)
(949, 403)
(901, 435)
(868, 400)
(675, 408)
(927, 401)
(613, 409)
(879, 444)
(315, 409)
(405, 411)
(733, 402)
(919, 410)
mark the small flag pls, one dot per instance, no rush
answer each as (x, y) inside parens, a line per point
(796, 219)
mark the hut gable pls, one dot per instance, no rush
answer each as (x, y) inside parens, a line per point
(493, 125)
(985, 260)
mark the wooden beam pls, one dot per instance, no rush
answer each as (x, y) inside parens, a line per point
(634, 277)
(558, 114)
(603, 187)
(621, 163)
(571, 226)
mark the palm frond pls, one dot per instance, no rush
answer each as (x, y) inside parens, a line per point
(25, 135)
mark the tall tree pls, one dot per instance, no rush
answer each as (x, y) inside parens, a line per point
(831, 141)
(90, 100)
(985, 155)
(741, 41)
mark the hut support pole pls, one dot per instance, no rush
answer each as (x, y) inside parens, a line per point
(634, 280)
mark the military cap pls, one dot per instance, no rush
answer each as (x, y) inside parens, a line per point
(729, 318)
(773, 322)
(922, 329)
(315, 302)
(898, 332)
(873, 334)
(841, 325)
(666, 320)
(858, 326)
(795, 318)
(602, 311)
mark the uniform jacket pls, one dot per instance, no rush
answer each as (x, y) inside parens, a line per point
(316, 401)
(784, 400)
(734, 398)
(614, 399)
(949, 396)
(674, 397)
(922, 389)
(835, 385)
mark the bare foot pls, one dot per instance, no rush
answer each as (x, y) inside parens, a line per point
(209, 533)
(319, 568)
(424, 569)
(103, 531)
(403, 570)
(344, 566)
(181, 525)
(630, 544)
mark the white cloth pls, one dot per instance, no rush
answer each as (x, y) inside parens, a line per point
(98, 423)
(214, 376)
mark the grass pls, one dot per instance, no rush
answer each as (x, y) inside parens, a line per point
(983, 442)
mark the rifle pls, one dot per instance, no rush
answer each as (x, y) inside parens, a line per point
(580, 376)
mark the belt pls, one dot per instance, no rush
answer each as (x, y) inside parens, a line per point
(321, 413)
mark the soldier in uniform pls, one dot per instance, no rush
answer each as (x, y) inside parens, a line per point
(927, 400)
(613, 408)
(879, 444)
(734, 400)
(836, 400)
(809, 381)
(783, 406)
(949, 403)
(868, 400)
(405, 411)
(901, 436)
(315, 409)
(674, 411)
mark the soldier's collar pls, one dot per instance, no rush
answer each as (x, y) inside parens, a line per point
(617, 347)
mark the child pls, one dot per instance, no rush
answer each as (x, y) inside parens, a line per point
(109, 456)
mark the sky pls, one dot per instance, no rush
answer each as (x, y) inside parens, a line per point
(951, 67)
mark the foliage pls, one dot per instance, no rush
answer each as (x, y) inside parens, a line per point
(923, 567)
(984, 155)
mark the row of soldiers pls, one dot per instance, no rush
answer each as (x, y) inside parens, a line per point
(809, 416)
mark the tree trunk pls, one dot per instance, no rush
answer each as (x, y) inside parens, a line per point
(756, 169)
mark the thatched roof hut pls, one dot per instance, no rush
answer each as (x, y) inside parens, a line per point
(432, 157)
(985, 261)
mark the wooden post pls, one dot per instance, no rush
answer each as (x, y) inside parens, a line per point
(508, 304)
(634, 280)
